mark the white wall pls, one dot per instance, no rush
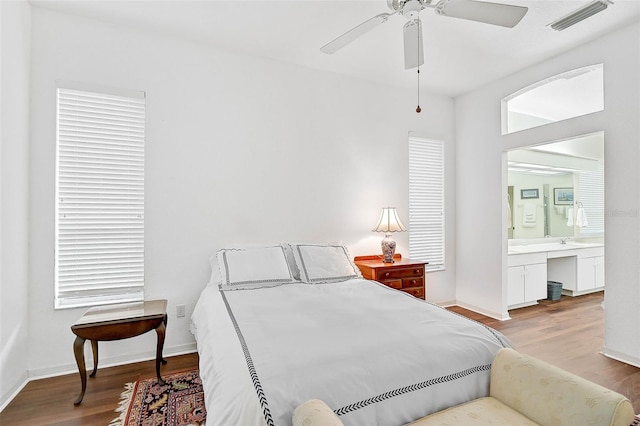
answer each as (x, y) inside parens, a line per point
(481, 177)
(14, 192)
(239, 150)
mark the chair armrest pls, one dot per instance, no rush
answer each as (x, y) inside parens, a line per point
(550, 395)
(315, 413)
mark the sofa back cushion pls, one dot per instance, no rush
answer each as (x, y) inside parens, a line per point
(549, 395)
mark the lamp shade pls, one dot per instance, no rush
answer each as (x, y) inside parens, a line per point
(389, 221)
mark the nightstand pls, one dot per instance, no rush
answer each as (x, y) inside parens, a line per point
(404, 274)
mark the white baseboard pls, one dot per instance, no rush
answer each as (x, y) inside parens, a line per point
(622, 357)
(13, 392)
(445, 303)
(43, 373)
(485, 312)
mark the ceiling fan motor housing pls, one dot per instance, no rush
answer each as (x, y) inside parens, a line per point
(411, 9)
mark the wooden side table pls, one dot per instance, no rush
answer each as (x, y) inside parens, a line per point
(117, 322)
(404, 274)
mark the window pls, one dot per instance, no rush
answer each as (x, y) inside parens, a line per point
(426, 201)
(591, 185)
(560, 97)
(99, 223)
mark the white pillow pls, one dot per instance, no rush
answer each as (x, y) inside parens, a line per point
(216, 276)
(254, 267)
(324, 263)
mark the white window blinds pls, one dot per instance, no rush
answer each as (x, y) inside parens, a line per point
(99, 253)
(591, 185)
(426, 201)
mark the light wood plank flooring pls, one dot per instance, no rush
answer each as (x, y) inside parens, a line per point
(50, 401)
(568, 333)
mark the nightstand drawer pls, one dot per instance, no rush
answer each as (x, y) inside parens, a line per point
(416, 292)
(397, 284)
(388, 274)
(412, 282)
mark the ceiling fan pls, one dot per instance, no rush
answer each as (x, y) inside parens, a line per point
(504, 15)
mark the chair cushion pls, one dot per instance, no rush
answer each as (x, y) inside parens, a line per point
(482, 411)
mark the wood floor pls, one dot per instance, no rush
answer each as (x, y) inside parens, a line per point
(568, 333)
(50, 401)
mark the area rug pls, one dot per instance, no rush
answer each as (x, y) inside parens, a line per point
(179, 402)
(636, 420)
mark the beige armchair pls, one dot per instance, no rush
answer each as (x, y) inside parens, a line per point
(523, 391)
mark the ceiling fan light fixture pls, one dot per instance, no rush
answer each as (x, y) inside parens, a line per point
(580, 14)
(394, 5)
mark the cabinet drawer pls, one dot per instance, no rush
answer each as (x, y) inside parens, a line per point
(418, 271)
(397, 284)
(412, 282)
(416, 292)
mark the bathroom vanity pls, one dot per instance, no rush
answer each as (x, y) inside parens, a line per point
(579, 266)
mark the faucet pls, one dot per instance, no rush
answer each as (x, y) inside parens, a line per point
(563, 240)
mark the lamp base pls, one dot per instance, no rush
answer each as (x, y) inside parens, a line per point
(388, 249)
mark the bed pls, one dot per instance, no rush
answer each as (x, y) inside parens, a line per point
(279, 325)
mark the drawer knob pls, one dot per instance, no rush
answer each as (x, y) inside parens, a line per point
(386, 274)
(413, 281)
(417, 271)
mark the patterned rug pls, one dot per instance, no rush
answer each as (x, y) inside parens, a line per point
(636, 420)
(179, 402)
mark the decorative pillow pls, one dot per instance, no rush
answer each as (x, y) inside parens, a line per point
(254, 267)
(324, 263)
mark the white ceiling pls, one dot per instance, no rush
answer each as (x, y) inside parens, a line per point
(459, 55)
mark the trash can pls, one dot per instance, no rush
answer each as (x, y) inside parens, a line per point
(554, 290)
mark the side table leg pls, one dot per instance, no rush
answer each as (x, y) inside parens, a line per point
(94, 348)
(78, 351)
(160, 332)
(166, 320)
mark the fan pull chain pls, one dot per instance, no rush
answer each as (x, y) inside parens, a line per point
(418, 109)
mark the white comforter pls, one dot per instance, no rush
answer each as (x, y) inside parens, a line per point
(376, 356)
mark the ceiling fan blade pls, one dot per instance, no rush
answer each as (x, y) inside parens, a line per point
(354, 33)
(504, 15)
(413, 51)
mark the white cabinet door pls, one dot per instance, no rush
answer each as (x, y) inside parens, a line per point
(515, 280)
(599, 271)
(590, 273)
(527, 283)
(586, 279)
(535, 282)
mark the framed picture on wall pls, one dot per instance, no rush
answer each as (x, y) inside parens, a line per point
(529, 193)
(562, 196)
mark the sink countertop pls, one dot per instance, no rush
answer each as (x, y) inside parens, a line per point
(546, 247)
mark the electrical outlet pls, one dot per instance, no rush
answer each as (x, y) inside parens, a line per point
(180, 311)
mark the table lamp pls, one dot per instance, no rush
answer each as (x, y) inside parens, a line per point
(389, 222)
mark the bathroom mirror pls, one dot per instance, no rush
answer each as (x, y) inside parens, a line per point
(557, 189)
